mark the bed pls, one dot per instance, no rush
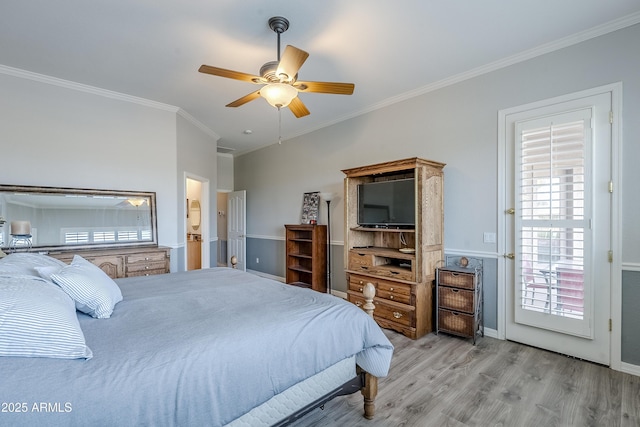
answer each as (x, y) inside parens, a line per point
(207, 347)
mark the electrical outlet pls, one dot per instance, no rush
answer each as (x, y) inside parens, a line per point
(257, 260)
(489, 237)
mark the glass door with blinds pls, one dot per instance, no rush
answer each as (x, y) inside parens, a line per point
(552, 223)
(559, 279)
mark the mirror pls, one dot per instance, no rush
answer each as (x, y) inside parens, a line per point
(61, 218)
(194, 214)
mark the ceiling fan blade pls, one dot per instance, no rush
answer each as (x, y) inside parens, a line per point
(325, 87)
(245, 99)
(298, 108)
(230, 74)
(291, 61)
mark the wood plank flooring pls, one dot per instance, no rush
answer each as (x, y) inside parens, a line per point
(446, 381)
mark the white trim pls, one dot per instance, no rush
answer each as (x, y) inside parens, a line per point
(616, 226)
(335, 293)
(198, 124)
(628, 368)
(263, 237)
(339, 294)
(266, 275)
(616, 245)
(205, 214)
(16, 72)
(492, 333)
(608, 27)
(477, 254)
(631, 266)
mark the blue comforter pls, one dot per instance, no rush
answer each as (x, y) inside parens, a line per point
(196, 348)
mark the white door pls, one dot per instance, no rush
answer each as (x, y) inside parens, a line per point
(237, 228)
(559, 227)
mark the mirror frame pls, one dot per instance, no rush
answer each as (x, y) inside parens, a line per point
(87, 192)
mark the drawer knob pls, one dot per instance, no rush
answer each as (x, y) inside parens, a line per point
(362, 283)
(391, 289)
(390, 296)
(146, 267)
(146, 258)
(397, 315)
(358, 303)
(360, 288)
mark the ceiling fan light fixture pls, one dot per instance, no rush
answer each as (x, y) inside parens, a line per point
(278, 94)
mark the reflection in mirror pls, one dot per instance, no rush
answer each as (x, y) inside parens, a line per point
(78, 218)
(194, 214)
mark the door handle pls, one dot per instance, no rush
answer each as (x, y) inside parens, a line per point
(510, 256)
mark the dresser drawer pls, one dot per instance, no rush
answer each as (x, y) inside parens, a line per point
(454, 278)
(360, 261)
(399, 292)
(456, 323)
(146, 264)
(396, 313)
(456, 299)
(142, 267)
(394, 272)
(146, 257)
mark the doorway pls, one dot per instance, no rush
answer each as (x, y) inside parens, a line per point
(196, 222)
(558, 224)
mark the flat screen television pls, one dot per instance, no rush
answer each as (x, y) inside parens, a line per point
(387, 204)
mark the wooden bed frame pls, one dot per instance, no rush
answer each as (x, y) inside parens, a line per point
(364, 381)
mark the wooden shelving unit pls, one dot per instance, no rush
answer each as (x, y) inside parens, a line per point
(404, 281)
(306, 256)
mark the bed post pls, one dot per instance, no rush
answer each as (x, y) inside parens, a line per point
(370, 388)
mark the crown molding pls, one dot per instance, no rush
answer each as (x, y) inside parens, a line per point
(67, 84)
(571, 40)
(198, 124)
(16, 72)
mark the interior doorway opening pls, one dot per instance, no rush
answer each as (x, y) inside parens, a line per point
(196, 223)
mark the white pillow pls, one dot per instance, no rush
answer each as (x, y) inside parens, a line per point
(94, 292)
(37, 319)
(25, 262)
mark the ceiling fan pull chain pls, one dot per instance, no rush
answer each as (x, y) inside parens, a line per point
(279, 125)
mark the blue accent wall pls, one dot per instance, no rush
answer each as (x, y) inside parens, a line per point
(630, 352)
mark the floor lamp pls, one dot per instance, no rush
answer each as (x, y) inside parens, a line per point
(327, 197)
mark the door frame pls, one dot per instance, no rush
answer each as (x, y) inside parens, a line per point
(205, 258)
(616, 244)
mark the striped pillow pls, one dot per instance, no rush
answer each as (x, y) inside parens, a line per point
(37, 319)
(94, 292)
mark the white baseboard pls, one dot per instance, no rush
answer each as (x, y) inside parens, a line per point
(488, 332)
(628, 368)
(339, 294)
(267, 276)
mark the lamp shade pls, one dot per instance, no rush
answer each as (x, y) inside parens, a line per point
(278, 94)
(327, 197)
(20, 228)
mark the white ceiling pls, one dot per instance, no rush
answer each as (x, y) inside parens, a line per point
(152, 49)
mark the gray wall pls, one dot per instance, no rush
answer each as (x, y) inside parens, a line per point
(456, 125)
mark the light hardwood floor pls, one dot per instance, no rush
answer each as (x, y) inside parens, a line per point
(446, 381)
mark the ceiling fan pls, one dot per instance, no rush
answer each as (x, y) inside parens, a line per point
(280, 78)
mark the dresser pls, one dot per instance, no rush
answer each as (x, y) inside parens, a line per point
(123, 262)
(459, 300)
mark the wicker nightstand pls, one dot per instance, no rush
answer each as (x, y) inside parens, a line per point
(459, 301)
